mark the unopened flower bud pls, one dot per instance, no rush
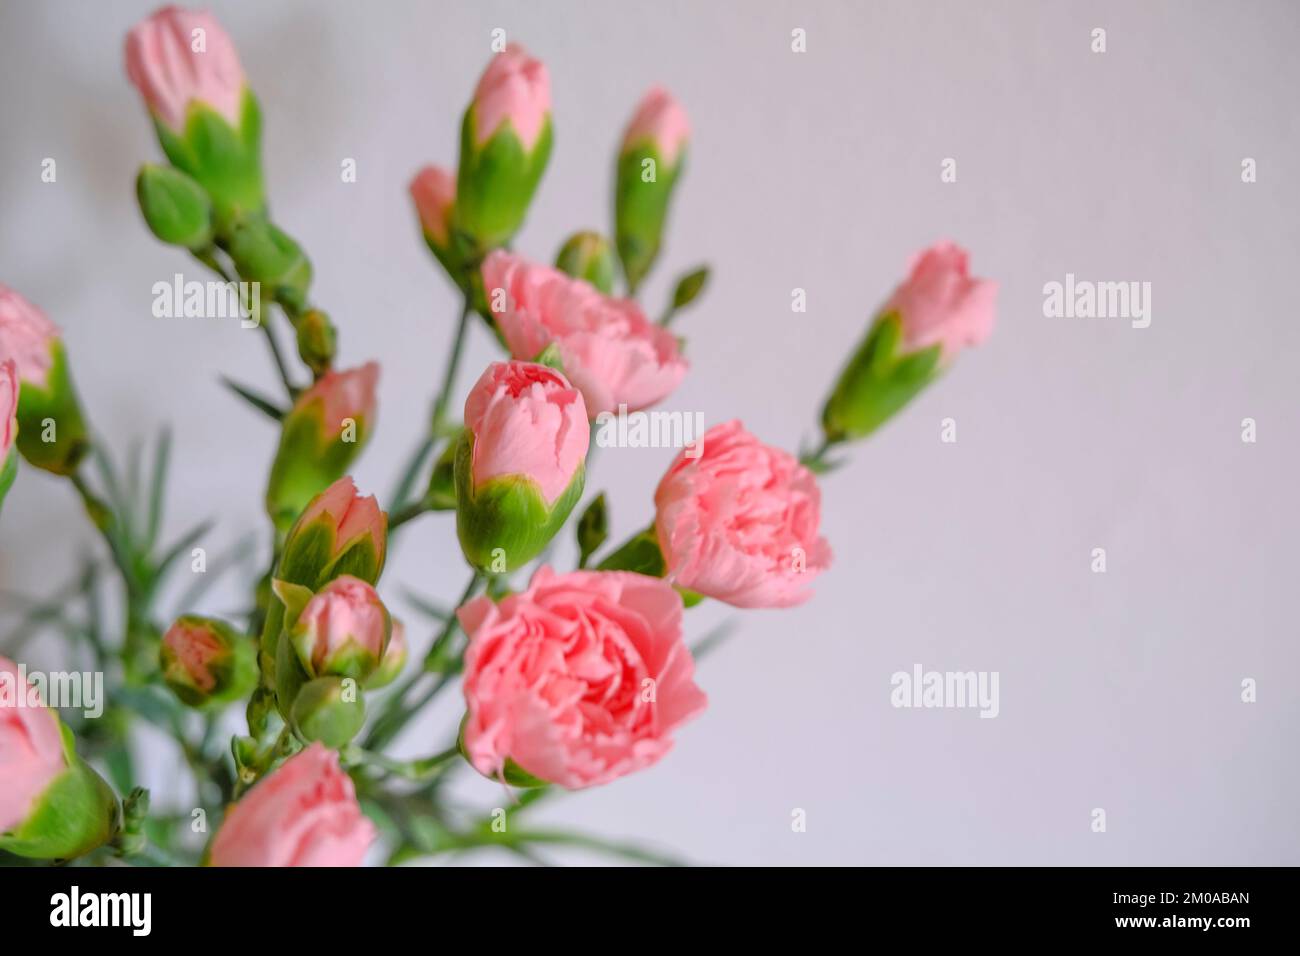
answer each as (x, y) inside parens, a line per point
(519, 463)
(175, 208)
(505, 143)
(393, 661)
(317, 341)
(265, 254)
(649, 163)
(51, 432)
(206, 662)
(343, 631)
(588, 256)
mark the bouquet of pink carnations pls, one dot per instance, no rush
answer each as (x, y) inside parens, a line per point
(571, 678)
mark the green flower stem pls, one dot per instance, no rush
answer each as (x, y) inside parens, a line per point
(420, 769)
(397, 712)
(453, 363)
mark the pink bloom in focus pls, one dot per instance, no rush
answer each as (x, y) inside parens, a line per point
(8, 407)
(344, 395)
(939, 302)
(178, 56)
(351, 515)
(303, 814)
(434, 192)
(527, 420)
(609, 349)
(31, 748)
(514, 87)
(659, 119)
(195, 647)
(26, 336)
(578, 680)
(739, 522)
(343, 623)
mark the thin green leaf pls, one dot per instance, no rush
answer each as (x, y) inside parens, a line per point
(426, 607)
(257, 400)
(714, 639)
(157, 485)
(402, 493)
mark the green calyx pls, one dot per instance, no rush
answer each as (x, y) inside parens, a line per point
(641, 554)
(495, 182)
(8, 471)
(224, 160)
(643, 187)
(877, 382)
(76, 813)
(505, 522)
(175, 207)
(51, 432)
(328, 709)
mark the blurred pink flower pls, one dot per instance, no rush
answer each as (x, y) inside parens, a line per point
(659, 120)
(31, 748)
(515, 88)
(176, 57)
(609, 349)
(303, 814)
(739, 523)
(26, 336)
(939, 302)
(434, 192)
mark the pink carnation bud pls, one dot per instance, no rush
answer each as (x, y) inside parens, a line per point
(27, 337)
(349, 516)
(609, 349)
(342, 396)
(578, 680)
(527, 420)
(515, 88)
(176, 57)
(434, 192)
(939, 302)
(343, 630)
(739, 522)
(661, 122)
(303, 814)
(191, 648)
(31, 747)
(8, 407)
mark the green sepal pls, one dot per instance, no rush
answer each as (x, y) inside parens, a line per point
(506, 522)
(641, 554)
(56, 403)
(588, 256)
(641, 209)
(877, 382)
(320, 712)
(224, 160)
(8, 471)
(495, 183)
(550, 357)
(293, 598)
(264, 253)
(689, 287)
(76, 813)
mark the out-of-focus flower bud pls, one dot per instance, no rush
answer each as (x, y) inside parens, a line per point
(433, 190)
(51, 431)
(342, 631)
(394, 659)
(52, 805)
(175, 208)
(265, 254)
(321, 436)
(206, 662)
(8, 425)
(188, 73)
(505, 142)
(303, 814)
(588, 256)
(330, 710)
(317, 341)
(649, 162)
(519, 463)
(932, 315)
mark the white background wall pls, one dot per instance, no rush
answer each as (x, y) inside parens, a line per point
(818, 171)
